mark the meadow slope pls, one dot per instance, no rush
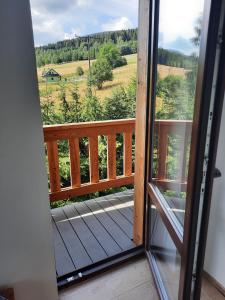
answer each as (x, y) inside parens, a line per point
(122, 77)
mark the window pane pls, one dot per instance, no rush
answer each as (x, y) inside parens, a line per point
(165, 253)
(178, 53)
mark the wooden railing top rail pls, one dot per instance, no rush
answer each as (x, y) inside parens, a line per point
(179, 127)
(87, 129)
(173, 122)
(110, 122)
(67, 128)
(89, 124)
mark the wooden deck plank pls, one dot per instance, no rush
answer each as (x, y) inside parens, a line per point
(116, 216)
(92, 231)
(112, 228)
(92, 246)
(122, 207)
(75, 248)
(107, 242)
(64, 264)
(124, 194)
(125, 197)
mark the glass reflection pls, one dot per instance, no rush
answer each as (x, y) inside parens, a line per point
(178, 52)
(166, 255)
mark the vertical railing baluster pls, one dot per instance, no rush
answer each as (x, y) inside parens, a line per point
(187, 137)
(93, 159)
(162, 152)
(53, 164)
(111, 156)
(127, 152)
(74, 162)
(181, 157)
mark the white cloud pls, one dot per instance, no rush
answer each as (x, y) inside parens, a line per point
(177, 18)
(55, 20)
(45, 29)
(117, 24)
(73, 33)
(59, 7)
(53, 6)
(84, 2)
(117, 8)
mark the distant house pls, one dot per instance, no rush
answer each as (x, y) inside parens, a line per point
(51, 75)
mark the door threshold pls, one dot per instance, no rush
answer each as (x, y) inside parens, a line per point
(99, 267)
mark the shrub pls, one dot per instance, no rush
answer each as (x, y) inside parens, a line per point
(91, 107)
(122, 103)
(79, 71)
(112, 54)
(100, 72)
(115, 106)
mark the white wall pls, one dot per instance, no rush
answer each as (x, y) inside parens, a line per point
(215, 249)
(26, 248)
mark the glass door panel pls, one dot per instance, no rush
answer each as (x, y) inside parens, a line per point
(177, 64)
(182, 59)
(165, 254)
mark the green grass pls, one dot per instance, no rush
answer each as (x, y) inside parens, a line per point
(122, 77)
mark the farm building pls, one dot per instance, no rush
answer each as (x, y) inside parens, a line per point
(51, 75)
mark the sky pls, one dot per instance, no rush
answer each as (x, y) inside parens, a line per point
(176, 24)
(55, 20)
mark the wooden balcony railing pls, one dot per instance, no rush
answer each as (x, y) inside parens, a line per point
(181, 130)
(91, 130)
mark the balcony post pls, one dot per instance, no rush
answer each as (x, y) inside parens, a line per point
(140, 128)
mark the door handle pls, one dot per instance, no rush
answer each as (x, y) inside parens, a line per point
(216, 173)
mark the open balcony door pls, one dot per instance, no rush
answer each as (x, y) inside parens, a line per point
(179, 144)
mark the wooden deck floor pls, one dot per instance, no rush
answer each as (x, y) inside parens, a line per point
(88, 232)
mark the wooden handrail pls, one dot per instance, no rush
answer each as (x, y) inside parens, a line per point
(87, 129)
(164, 129)
(92, 130)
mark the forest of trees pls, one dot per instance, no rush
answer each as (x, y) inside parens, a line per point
(77, 48)
(175, 59)
(125, 40)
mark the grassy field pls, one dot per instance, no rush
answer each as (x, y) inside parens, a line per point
(122, 77)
